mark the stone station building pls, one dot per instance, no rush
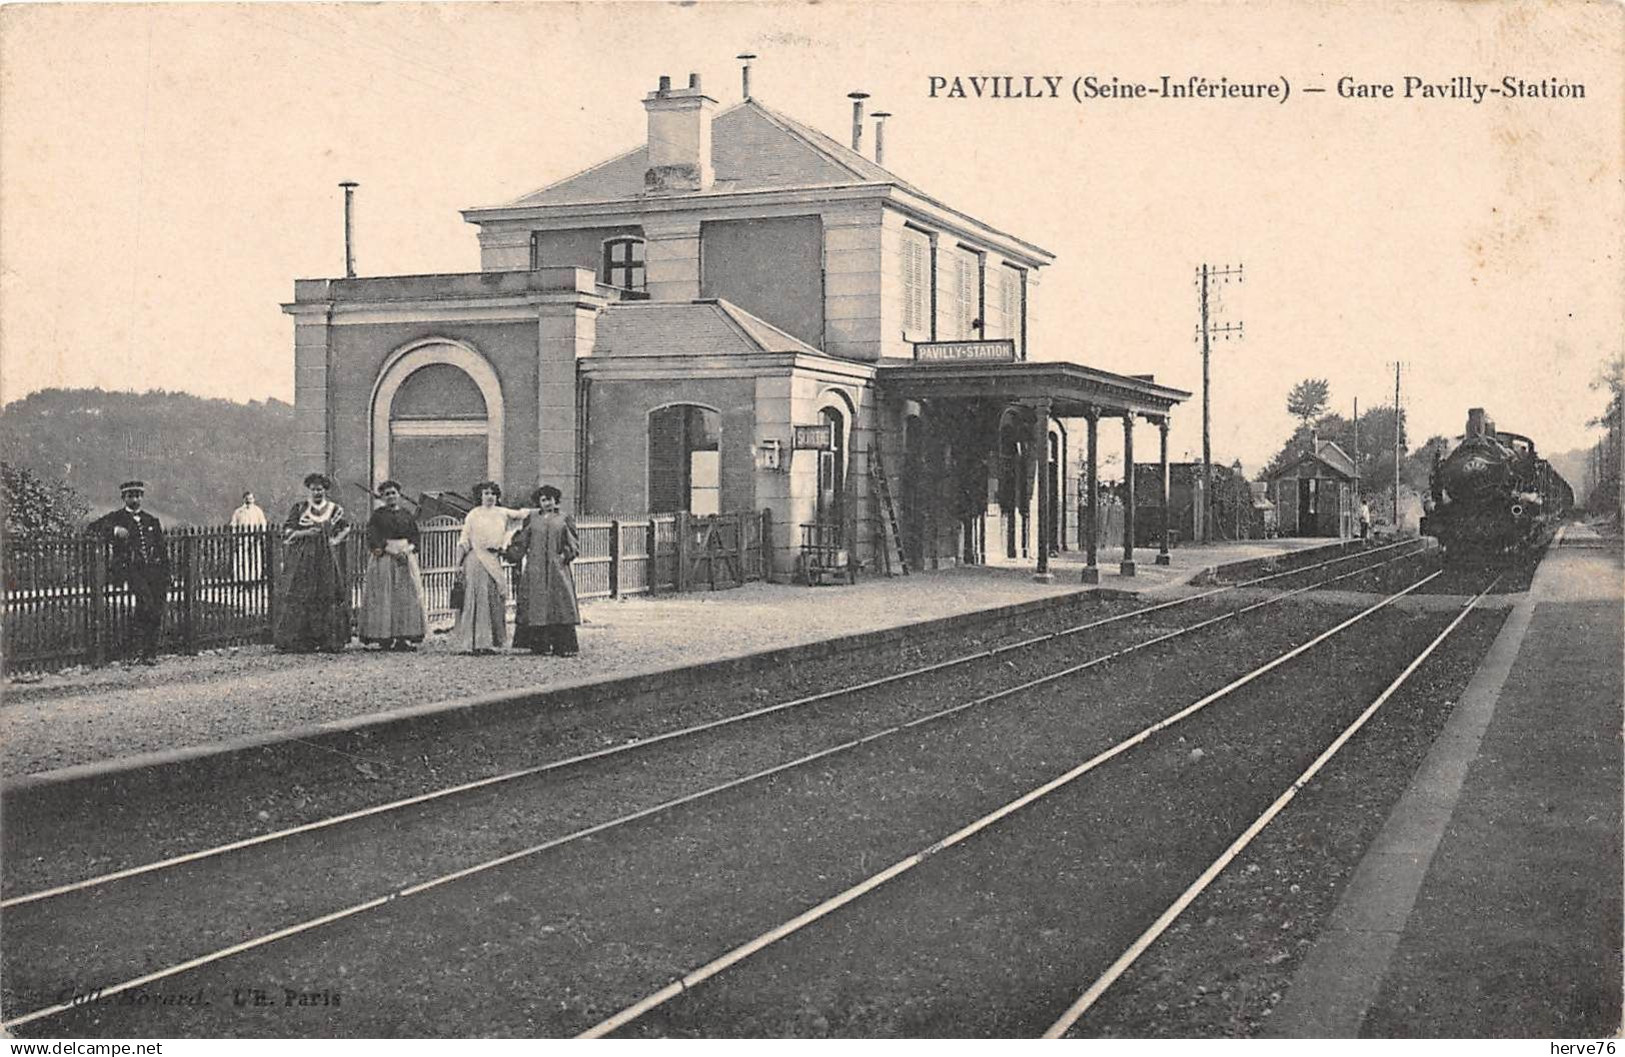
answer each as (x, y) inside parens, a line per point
(740, 313)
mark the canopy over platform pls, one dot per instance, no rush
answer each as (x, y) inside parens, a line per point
(1007, 405)
(1070, 389)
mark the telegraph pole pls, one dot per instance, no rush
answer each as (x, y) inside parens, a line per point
(1356, 456)
(1396, 445)
(1205, 332)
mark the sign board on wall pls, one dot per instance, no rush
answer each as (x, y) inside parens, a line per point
(814, 438)
(996, 350)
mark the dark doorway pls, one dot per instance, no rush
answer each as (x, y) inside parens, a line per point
(685, 471)
(914, 492)
(1308, 504)
(831, 514)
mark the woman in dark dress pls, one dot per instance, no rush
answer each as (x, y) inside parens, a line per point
(313, 612)
(392, 610)
(546, 612)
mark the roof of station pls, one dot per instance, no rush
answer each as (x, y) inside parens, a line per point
(630, 328)
(1072, 389)
(754, 148)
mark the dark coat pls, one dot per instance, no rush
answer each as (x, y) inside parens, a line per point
(547, 592)
(141, 552)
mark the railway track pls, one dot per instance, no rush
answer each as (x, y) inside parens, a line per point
(1402, 551)
(685, 986)
(209, 858)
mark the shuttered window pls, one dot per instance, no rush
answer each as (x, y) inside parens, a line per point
(969, 290)
(1012, 297)
(916, 284)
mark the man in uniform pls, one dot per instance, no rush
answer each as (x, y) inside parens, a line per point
(141, 560)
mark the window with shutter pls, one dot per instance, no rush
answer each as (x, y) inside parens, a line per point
(969, 295)
(916, 276)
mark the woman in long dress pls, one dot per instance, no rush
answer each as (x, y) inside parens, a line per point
(547, 613)
(482, 624)
(392, 608)
(314, 610)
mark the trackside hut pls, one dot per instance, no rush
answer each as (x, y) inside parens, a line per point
(740, 313)
(1314, 492)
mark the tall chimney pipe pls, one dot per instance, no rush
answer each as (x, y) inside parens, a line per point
(880, 117)
(349, 227)
(744, 73)
(694, 82)
(857, 119)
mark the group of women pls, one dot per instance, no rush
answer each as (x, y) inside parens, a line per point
(313, 607)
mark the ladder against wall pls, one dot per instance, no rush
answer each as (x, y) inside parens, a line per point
(889, 539)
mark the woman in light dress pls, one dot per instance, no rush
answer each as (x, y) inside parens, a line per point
(392, 609)
(482, 623)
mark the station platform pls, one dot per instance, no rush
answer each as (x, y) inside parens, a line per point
(1489, 905)
(77, 723)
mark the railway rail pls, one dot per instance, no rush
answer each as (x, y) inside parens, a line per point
(1406, 549)
(710, 969)
(688, 798)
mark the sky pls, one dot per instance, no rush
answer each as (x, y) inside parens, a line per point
(168, 171)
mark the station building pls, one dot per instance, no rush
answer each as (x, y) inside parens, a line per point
(740, 313)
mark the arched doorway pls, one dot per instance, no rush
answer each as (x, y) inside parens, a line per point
(437, 422)
(1017, 468)
(831, 507)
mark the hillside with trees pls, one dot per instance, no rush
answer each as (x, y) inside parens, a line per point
(197, 455)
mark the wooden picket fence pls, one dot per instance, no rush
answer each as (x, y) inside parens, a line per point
(60, 608)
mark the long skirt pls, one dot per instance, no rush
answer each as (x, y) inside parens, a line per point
(313, 610)
(392, 604)
(483, 622)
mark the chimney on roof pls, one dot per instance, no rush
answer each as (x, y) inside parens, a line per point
(744, 73)
(1314, 440)
(857, 119)
(880, 117)
(679, 138)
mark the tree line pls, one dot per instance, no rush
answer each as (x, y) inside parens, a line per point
(68, 450)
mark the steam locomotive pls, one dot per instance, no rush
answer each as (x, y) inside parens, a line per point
(1493, 498)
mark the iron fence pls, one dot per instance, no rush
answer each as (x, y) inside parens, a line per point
(62, 607)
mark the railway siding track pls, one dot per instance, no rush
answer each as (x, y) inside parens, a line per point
(374, 904)
(685, 984)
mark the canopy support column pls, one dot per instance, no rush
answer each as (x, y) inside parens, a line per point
(1162, 555)
(1041, 439)
(1127, 566)
(1091, 523)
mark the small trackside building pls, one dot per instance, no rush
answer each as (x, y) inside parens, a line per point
(1314, 493)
